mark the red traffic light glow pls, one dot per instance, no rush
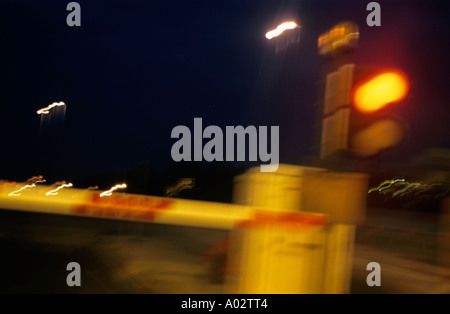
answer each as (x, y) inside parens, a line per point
(379, 90)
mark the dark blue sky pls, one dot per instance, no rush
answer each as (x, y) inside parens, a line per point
(136, 69)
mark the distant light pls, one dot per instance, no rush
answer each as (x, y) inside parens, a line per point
(16, 193)
(386, 87)
(182, 184)
(383, 186)
(109, 192)
(36, 179)
(46, 110)
(54, 192)
(32, 185)
(280, 29)
(343, 35)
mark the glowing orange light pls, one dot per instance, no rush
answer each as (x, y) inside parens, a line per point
(46, 110)
(386, 87)
(54, 192)
(35, 179)
(7, 183)
(280, 29)
(109, 192)
(343, 35)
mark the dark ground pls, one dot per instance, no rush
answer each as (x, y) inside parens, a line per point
(129, 257)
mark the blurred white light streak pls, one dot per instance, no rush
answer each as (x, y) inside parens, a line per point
(109, 192)
(16, 193)
(280, 29)
(47, 109)
(54, 192)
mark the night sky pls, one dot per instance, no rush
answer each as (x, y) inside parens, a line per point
(136, 69)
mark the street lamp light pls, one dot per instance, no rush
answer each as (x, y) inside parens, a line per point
(284, 34)
(281, 29)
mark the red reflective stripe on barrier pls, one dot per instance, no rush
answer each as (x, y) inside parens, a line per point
(299, 220)
(120, 206)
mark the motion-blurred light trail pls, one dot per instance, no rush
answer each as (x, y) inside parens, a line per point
(55, 191)
(46, 110)
(58, 183)
(16, 192)
(109, 192)
(32, 180)
(182, 184)
(412, 187)
(36, 179)
(395, 181)
(280, 29)
(382, 186)
(400, 188)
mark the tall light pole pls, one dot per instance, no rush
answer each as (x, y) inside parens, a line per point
(282, 93)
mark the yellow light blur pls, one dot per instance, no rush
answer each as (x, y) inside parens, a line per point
(385, 88)
(373, 139)
(342, 34)
(109, 192)
(280, 29)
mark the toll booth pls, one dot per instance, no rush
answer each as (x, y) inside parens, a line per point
(303, 241)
